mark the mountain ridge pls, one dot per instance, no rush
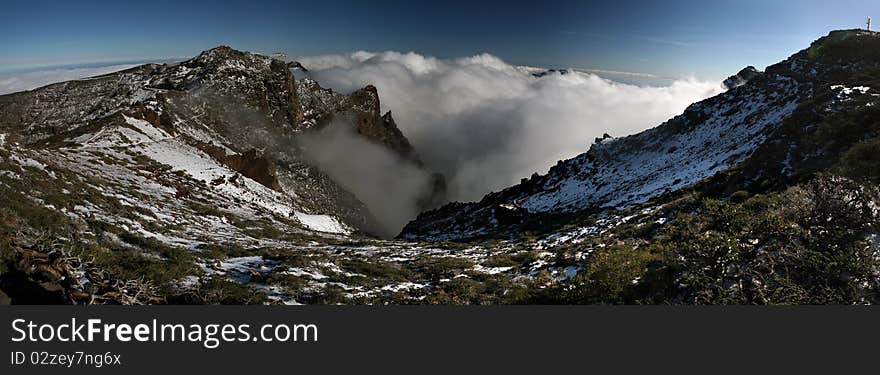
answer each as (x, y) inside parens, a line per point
(754, 109)
(241, 109)
(185, 184)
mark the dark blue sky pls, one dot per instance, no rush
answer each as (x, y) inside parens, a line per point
(709, 39)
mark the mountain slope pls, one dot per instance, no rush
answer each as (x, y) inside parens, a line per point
(186, 183)
(741, 127)
(226, 111)
(173, 166)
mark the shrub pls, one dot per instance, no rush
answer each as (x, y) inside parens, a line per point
(862, 161)
(739, 196)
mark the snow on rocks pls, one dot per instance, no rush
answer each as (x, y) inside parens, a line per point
(172, 240)
(404, 286)
(136, 132)
(583, 233)
(491, 270)
(241, 269)
(844, 95)
(155, 143)
(563, 273)
(844, 92)
(634, 169)
(574, 236)
(25, 161)
(151, 132)
(300, 272)
(198, 165)
(322, 223)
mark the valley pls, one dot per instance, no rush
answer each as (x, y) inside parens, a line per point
(209, 182)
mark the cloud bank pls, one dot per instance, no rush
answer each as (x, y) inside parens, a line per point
(486, 124)
(389, 186)
(15, 82)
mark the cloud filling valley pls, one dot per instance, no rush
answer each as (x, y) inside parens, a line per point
(485, 124)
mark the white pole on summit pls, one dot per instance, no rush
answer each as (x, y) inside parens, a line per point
(869, 23)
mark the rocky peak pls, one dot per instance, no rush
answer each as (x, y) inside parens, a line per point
(550, 72)
(363, 106)
(383, 130)
(744, 76)
(241, 79)
(238, 112)
(217, 63)
(224, 58)
(296, 65)
(605, 136)
(833, 58)
(221, 51)
(367, 99)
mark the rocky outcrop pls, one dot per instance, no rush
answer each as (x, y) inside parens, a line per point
(227, 76)
(250, 164)
(296, 65)
(837, 57)
(362, 108)
(744, 76)
(244, 110)
(383, 130)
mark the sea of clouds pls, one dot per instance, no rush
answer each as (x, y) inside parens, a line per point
(23, 81)
(485, 124)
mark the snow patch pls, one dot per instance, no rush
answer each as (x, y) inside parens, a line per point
(845, 92)
(25, 161)
(322, 223)
(241, 268)
(637, 168)
(491, 270)
(403, 287)
(147, 128)
(314, 275)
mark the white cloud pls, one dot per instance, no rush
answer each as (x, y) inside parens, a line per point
(389, 186)
(485, 124)
(15, 82)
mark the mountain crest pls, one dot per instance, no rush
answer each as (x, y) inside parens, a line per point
(744, 76)
(834, 57)
(236, 114)
(760, 134)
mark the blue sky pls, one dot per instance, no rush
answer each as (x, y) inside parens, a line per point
(707, 39)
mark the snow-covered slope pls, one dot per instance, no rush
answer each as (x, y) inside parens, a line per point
(226, 119)
(711, 136)
(762, 125)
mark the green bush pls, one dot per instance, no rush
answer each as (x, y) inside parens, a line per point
(862, 161)
(217, 290)
(739, 196)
